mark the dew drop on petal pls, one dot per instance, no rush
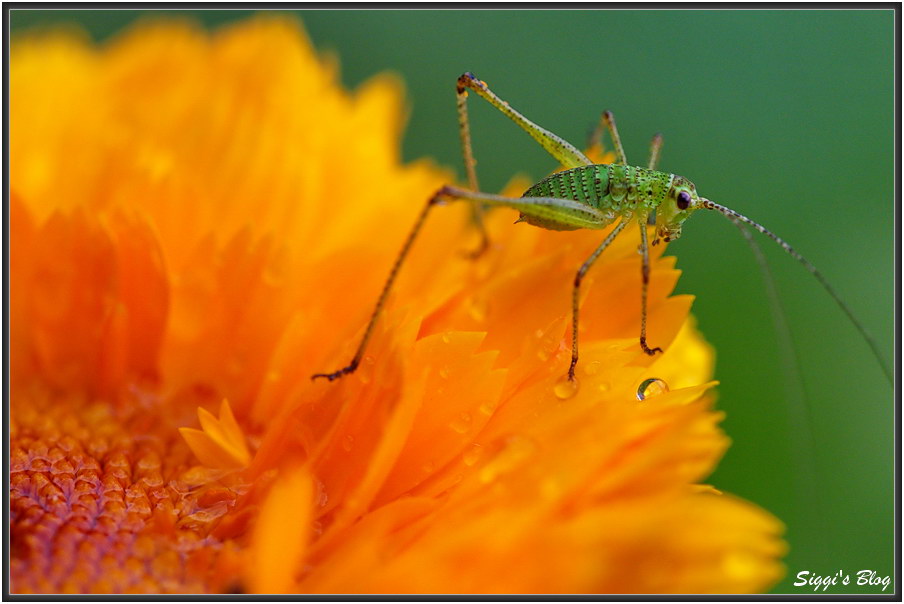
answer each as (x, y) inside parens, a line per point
(604, 387)
(477, 309)
(592, 368)
(651, 387)
(348, 442)
(565, 388)
(472, 454)
(447, 338)
(428, 467)
(462, 423)
(444, 372)
(488, 407)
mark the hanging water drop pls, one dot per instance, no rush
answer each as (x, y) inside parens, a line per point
(651, 387)
(565, 388)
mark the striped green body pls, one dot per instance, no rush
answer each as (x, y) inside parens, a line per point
(615, 190)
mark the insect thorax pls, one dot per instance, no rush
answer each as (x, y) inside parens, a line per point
(617, 190)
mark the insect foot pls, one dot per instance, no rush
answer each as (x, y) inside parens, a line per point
(647, 349)
(337, 374)
(482, 248)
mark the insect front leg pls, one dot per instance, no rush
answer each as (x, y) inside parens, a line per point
(655, 151)
(645, 282)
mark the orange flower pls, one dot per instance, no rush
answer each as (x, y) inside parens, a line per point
(199, 223)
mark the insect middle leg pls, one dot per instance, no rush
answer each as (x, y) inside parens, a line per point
(607, 121)
(576, 290)
(655, 151)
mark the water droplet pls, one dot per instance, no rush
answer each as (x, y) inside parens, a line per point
(369, 360)
(565, 388)
(447, 338)
(348, 442)
(428, 467)
(472, 454)
(651, 387)
(543, 355)
(539, 333)
(462, 423)
(592, 368)
(604, 387)
(488, 407)
(444, 372)
(477, 309)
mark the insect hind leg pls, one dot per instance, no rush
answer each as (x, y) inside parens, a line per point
(563, 151)
(467, 152)
(564, 211)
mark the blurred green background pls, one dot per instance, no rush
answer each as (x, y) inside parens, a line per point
(786, 116)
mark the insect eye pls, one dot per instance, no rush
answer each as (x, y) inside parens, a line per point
(684, 200)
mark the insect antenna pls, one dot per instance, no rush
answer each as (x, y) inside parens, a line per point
(799, 413)
(736, 217)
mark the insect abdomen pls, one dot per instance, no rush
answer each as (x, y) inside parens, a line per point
(587, 184)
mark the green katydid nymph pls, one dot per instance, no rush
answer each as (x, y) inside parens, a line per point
(586, 196)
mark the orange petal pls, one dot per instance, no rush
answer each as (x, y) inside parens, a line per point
(281, 534)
